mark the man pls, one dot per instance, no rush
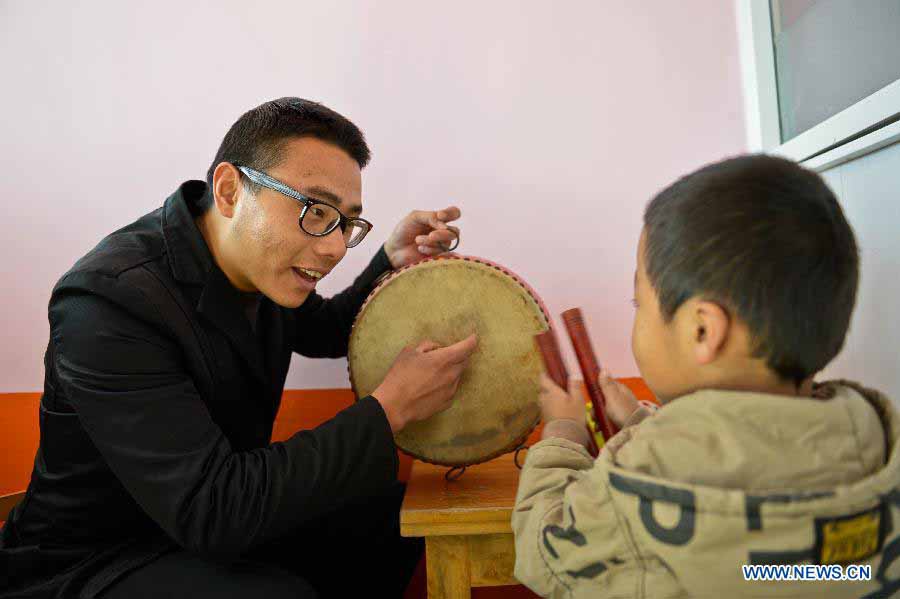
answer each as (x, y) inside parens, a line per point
(170, 342)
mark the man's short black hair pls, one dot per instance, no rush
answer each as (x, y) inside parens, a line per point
(767, 240)
(257, 139)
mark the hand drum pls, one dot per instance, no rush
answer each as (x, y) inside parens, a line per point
(445, 300)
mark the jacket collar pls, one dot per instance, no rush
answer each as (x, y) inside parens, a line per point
(188, 253)
(192, 264)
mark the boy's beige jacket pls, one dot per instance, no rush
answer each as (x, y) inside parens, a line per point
(675, 505)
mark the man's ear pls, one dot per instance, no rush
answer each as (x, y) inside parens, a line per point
(226, 188)
(711, 328)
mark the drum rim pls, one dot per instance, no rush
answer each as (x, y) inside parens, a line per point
(383, 279)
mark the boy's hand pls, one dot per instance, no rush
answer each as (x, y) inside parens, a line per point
(556, 403)
(620, 401)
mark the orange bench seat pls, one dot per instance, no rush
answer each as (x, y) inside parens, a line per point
(300, 409)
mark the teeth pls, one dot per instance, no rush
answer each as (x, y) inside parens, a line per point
(311, 273)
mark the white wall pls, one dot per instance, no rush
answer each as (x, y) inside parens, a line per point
(867, 188)
(550, 123)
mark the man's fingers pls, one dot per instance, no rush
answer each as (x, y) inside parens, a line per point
(458, 370)
(449, 214)
(437, 237)
(428, 218)
(438, 241)
(453, 241)
(461, 350)
(437, 219)
(451, 391)
(426, 346)
(429, 250)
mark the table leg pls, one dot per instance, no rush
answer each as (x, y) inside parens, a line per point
(449, 570)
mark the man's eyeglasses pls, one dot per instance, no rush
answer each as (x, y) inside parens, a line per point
(317, 218)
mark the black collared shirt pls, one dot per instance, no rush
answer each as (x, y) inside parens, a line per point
(158, 406)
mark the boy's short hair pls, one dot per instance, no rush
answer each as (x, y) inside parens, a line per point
(258, 137)
(767, 240)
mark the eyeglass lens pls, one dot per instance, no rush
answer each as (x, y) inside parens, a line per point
(319, 218)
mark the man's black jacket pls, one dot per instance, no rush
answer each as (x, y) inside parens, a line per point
(157, 412)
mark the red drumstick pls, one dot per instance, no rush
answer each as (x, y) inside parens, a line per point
(556, 369)
(590, 370)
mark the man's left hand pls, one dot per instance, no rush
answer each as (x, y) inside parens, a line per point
(422, 234)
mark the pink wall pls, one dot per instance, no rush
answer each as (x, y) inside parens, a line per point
(550, 123)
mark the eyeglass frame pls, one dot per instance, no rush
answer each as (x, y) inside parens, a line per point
(270, 182)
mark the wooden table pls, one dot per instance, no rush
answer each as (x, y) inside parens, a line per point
(466, 525)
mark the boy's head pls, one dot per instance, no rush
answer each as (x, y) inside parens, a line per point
(746, 278)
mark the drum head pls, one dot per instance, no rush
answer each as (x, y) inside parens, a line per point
(445, 300)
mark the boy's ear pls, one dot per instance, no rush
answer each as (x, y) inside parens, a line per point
(712, 325)
(226, 184)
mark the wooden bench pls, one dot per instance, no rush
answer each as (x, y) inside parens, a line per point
(466, 522)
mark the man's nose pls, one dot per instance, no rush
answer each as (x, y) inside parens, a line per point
(331, 246)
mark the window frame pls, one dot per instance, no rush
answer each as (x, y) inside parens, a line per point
(864, 127)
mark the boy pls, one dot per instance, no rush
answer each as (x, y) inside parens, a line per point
(745, 283)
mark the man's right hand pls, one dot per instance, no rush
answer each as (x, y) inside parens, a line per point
(423, 380)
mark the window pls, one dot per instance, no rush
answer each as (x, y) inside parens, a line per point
(822, 75)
